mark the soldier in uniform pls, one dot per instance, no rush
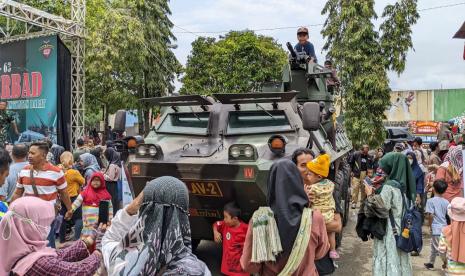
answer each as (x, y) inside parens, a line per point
(6, 120)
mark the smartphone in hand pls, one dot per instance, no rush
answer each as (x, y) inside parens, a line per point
(103, 212)
(368, 181)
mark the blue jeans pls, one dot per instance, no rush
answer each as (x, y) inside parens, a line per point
(51, 235)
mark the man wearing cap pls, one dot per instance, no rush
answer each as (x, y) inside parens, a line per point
(304, 45)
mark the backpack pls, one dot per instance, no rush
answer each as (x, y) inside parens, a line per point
(410, 237)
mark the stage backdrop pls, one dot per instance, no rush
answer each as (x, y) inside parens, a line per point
(35, 80)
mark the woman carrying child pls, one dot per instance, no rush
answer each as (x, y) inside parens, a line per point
(90, 199)
(318, 170)
(75, 181)
(394, 180)
(300, 230)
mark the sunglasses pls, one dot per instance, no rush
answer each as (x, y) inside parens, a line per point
(302, 34)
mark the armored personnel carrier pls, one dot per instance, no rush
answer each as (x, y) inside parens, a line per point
(223, 146)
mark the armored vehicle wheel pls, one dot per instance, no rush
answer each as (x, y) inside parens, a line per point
(345, 194)
(339, 186)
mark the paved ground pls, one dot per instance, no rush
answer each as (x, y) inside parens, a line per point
(355, 255)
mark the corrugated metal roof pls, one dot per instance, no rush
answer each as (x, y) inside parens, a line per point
(461, 32)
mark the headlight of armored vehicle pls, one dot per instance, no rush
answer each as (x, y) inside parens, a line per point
(235, 151)
(242, 153)
(248, 152)
(141, 150)
(153, 151)
(149, 151)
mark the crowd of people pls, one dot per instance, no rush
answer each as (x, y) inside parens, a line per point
(50, 196)
(426, 177)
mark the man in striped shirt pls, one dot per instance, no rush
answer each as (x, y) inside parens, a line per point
(49, 180)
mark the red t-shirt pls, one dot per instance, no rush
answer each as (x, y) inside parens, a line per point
(233, 243)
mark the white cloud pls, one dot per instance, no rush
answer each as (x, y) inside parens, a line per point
(437, 59)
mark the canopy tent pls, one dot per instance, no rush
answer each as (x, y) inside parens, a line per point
(461, 34)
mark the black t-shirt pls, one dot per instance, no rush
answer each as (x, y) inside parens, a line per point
(363, 163)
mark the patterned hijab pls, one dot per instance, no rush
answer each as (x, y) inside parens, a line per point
(453, 162)
(159, 243)
(89, 161)
(456, 158)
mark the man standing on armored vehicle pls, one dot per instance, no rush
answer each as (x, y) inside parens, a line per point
(304, 45)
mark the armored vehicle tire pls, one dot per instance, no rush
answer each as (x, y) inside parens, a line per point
(346, 196)
(340, 192)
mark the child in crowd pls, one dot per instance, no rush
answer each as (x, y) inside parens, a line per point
(436, 211)
(90, 199)
(318, 170)
(452, 240)
(231, 231)
(75, 181)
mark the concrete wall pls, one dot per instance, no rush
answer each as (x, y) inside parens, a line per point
(426, 105)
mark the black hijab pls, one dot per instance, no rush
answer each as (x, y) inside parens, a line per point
(112, 156)
(287, 199)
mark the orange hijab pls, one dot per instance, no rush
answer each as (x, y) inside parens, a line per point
(455, 236)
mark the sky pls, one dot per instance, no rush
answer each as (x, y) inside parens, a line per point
(435, 62)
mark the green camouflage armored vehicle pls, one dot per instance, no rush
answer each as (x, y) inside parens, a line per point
(223, 146)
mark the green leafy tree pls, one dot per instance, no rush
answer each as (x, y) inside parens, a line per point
(363, 56)
(128, 54)
(239, 62)
(157, 68)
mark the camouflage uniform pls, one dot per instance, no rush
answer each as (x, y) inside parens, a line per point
(5, 122)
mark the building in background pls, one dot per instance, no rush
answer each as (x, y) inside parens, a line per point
(440, 105)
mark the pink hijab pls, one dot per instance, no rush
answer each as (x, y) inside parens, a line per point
(23, 234)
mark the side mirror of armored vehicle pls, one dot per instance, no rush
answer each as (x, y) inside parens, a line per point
(311, 116)
(120, 121)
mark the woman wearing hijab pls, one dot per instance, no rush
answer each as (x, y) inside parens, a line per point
(97, 152)
(288, 200)
(56, 151)
(451, 171)
(90, 165)
(418, 174)
(112, 175)
(452, 240)
(151, 236)
(23, 244)
(394, 180)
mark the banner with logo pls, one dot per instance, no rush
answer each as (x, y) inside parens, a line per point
(34, 82)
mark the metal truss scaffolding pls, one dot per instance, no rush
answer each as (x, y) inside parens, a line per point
(71, 30)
